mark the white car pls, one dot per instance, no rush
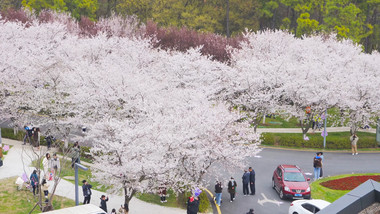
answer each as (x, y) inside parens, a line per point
(307, 206)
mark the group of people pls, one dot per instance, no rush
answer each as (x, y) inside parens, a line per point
(86, 187)
(248, 179)
(33, 135)
(51, 167)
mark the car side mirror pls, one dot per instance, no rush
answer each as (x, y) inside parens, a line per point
(308, 179)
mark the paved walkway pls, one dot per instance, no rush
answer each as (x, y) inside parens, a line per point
(299, 130)
(19, 156)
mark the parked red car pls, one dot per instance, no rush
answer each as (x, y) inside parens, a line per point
(290, 182)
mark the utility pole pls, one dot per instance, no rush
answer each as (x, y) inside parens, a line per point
(324, 131)
(228, 19)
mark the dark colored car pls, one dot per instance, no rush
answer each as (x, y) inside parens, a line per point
(290, 182)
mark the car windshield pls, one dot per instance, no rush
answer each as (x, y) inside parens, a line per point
(294, 177)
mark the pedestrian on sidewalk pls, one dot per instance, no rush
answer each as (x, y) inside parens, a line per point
(49, 140)
(46, 163)
(45, 187)
(55, 164)
(86, 187)
(232, 189)
(218, 192)
(354, 140)
(113, 211)
(246, 179)
(75, 154)
(103, 203)
(28, 135)
(36, 137)
(193, 202)
(317, 164)
(320, 154)
(34, 181)
(124, 209)
(252, 179)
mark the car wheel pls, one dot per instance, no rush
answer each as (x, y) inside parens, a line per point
(273, 185)
(295, 213)
(281, 194)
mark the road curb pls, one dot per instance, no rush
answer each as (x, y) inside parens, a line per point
(212, 196)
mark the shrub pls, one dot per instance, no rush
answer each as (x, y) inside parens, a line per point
(8, 133)
(204, 201)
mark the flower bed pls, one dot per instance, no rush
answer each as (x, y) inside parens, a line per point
(349, 183)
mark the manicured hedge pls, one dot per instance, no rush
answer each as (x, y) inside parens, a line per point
(334, 140)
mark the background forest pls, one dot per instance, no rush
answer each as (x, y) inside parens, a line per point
(354, 19)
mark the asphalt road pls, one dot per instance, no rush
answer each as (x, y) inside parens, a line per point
(269, 159)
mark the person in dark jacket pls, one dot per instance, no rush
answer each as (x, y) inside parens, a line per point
(193, 205)
(34, 181)
(245, 179)
(103, 203)
(86, 187)
(232, 189)
(252, 179)
(218, 192)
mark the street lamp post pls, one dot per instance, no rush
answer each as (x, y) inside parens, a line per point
(77, 165)
(324, 131)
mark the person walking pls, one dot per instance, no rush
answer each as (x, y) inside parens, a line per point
(245, 178)
(36, 137)
(103, 203)
(86, 187)
(34, 181)
(320, 154)
(193, 202)
(317, 167)
(49, 140)
(28, 135)
(75, 153)
(354, 140)
(55, 164)
(232, 189)
(218, 192)
(252, 178)
(45, 187)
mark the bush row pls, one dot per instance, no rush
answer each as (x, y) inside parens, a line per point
(333, 140)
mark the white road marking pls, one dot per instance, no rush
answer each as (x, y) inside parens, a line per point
(308, 173)
(257, 156)
(261, 202)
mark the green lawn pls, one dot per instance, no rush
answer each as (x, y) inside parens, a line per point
(334, 141)
(330, 195)
(13, 201)
(155, 199)
(82, 175)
